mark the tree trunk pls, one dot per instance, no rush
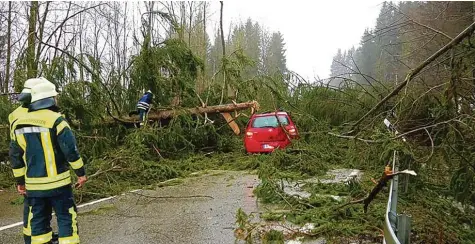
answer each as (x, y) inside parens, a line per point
(40, 34)
(9, 47)
(224, 54)
(204, 84)
(221, 29)
(224, 108)
(124, 49)
(32, 67)
(191, 23)
(81, 49)
(204, 37)
(473, 66)
(182, 22)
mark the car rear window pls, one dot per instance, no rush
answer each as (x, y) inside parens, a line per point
(269, 121)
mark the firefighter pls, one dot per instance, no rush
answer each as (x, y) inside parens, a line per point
(143, 106)
(25, 99)
(42, 150)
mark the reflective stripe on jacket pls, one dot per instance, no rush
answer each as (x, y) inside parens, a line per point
(42, 150)
(143, 105)
(14, 116)
(144, 102)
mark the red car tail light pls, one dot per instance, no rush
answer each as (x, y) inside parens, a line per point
(292, 132)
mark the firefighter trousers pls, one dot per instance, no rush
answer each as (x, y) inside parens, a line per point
(26, 231)
(38, 222)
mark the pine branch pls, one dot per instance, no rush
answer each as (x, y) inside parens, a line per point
(387, 175)
(466, 33)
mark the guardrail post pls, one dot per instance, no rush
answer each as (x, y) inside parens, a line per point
(395, 183)
(404, 228)
(397, 228)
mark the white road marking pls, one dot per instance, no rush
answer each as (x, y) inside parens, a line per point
(10, 226)
(6, 227)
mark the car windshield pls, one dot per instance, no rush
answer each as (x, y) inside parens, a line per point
(269, 121)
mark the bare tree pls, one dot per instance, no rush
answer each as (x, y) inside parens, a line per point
(9, 47)
(190, 29)
(41, 32)
(204, 35)
(32, 67)
(224, 53)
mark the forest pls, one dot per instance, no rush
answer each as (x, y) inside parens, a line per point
(415, 67)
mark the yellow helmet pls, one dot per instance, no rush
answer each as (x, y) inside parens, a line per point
(42, 91)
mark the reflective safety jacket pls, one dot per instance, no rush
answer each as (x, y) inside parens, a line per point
(144, 102)
(42, 149)
(15, 115)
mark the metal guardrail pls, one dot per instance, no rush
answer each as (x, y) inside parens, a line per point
(390, 215)
(397, 228)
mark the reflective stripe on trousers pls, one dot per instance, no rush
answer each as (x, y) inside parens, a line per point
(66, 214)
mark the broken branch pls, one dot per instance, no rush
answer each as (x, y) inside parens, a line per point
(467, 32)
(387, 175)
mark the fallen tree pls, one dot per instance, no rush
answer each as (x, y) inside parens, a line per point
(159, 115)
(164, 116)
(224, 108)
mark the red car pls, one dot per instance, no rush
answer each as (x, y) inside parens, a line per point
(265, 134)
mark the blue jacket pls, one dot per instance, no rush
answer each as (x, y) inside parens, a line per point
(145, 101)
(42, 150)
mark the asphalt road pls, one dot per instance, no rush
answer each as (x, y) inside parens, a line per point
(199, 209)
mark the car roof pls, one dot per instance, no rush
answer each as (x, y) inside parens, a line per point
(269, 114)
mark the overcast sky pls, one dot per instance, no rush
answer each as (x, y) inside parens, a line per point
(313, 30)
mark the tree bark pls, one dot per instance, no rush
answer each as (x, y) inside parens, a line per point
(124, 49)
(41, 31)
(9, 48)
(204, 37)
(191, 23)
(149, 37)
(224, 108)
(30, 53)
(224, 54)
(81, 49)
(473, 67)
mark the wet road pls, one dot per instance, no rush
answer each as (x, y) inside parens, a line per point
(146, 217)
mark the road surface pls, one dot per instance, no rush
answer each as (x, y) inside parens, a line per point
(145, 217)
